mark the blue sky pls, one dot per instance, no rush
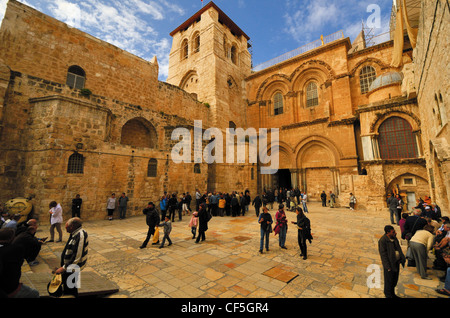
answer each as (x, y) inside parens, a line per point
(142, 27)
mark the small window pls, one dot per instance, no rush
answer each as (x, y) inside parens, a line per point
(366, 77)
(278, 104)
(76, 77)
(233, 55)
(76, 164)
(312, 95)
(408, 181)
(184, 50)
(152, 168)
(197, 168)
(197, 43)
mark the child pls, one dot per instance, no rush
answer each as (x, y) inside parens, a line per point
(193, 223)
(167, 229)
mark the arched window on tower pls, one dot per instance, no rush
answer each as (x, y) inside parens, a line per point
(184, 49)
(278, 103)
(396, 139)
(196, 43)
(312, 95)
(152, 168)
(366, 77)
(75, 164)
(76, 77)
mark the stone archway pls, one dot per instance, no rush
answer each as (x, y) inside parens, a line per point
(139, 132)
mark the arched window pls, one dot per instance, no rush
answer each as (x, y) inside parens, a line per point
(152, 168)
(278, 103)
(396, 139)
(366, 77)
(197, 168)
(76, 164)
(184, 49)
(233, 55)
(312, 95)
(75, 77)
(196, 43)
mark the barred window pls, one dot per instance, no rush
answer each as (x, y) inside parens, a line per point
(278, 103)
(76, 77)
(366, 77)
(197, 43)
(396, 139)
(233, 55)
(76, 164)
(197, 168)
(152, 168)
(312, 95)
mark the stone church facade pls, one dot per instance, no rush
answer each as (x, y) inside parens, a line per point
(81, 116)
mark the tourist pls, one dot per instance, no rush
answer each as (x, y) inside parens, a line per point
(198, 198)
(413, 223)
(446, 279)
(222, 203)
(13, 222)
(441, 243)
(167, 229)
(56, 220)
(163, 203)
(203, 218)
(399, 207)
(111, 206)
(257, 203)
(242, 203)
(172, 203)
(392, 203)
(304, 200)
(29, 243)
(74, 254)
(332, 199)
(188, 199)
(193, 223)
(323, 197)
(234, 205)
(401, 223)
(76, 206)
(152, 219)
(304, 231)
(265, 219)
(392, 256)
(352, 201)
(420, 244)
(11, 260)
(123, 202)
(281, 226)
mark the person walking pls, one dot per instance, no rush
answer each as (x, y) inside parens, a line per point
(304, 231)
(193, 223)
(76, 206)
(257, 204)
(332, 199)
(392, 256)
(123, 202)
(163, 203)
(152, 219)
(167, 229)
(56, 220)
(265, 219)
(323, 197)
(111, 206)
(203, 218)
(281, 226)
(172, 203)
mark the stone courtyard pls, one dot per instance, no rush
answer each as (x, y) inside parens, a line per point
(228, 264)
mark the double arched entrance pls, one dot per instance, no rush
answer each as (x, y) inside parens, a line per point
(312, 166)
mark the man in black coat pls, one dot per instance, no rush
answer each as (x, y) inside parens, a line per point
(152, 219)
(391, 257)
(257, 203)
(203, 219)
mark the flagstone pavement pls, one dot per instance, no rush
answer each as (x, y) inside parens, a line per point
(342, 259)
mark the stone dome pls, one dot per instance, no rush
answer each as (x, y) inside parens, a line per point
(386, 79)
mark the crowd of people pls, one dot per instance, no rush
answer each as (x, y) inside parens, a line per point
(425, 230)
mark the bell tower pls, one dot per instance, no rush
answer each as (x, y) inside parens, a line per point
(210, 59)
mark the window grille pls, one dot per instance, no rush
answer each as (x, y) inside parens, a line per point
(152, 168)
(396, 139)
(76, 77)
(197, 168)
(278, 104)
(312, 96)
(76, 164)
(366, 77)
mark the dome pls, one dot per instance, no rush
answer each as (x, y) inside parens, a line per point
(386, 79)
